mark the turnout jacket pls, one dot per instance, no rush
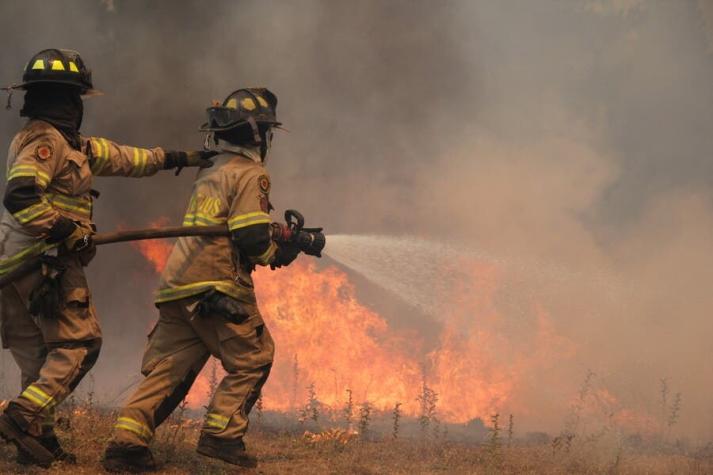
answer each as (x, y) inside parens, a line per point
(235, 192)
(49, 184)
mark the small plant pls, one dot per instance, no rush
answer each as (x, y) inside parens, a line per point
(511, 429)
(177, 420)
(573, 420)
(396, 419)
(427, 401)
(674, 412)
(494, 442)
(349, 409)
(562, 441)
(663, 391)
(364, 418)
(259, 407)
(312, 403)
(295, 380)
(670, 410)
(90, 394)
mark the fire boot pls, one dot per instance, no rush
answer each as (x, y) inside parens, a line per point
(231, 451)
(128, 458)
(12, 431)
(51, 443)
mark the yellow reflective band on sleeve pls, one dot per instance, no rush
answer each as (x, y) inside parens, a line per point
(30, 213)
(217, 421)
(18, 171)
(227, 287)
(132, 425)
(139, 161)
(248, 219)
(201, 219)
(102, 154)
(266, 256)
(79, 205)
(14, 261)
(38, 396)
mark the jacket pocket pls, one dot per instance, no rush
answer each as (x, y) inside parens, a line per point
(76, 302)
(247, 329)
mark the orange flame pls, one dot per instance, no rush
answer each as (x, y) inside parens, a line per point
(324, 336)
(156, 251)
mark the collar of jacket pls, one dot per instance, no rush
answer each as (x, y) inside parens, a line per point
(253, 153)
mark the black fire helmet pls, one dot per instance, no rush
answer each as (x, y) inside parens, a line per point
(254, 106)
(59, 66)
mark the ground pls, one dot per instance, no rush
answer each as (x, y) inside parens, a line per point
(86, 431)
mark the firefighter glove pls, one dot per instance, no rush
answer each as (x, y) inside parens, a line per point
(81, 242)
(216, 303)
(179, 159)
(286, 253)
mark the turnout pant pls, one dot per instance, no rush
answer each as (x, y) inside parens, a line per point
(53, 354)
(178, 348)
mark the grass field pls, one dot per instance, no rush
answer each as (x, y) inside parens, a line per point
(85, 430)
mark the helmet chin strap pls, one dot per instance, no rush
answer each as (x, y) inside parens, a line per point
(265, 145)
(9, 90)
(256, 130)
(210, 142)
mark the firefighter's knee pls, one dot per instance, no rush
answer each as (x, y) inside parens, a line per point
(82, 355)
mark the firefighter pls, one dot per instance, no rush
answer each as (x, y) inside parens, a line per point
(48, 320)
(206, 300)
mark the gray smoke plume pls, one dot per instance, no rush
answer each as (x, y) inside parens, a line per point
(571, 133)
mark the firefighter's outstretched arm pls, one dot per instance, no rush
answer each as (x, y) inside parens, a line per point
(111, 159)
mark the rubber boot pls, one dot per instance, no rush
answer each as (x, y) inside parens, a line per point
(231, 451)
(128, 458)
(12, 431)
(51, 443)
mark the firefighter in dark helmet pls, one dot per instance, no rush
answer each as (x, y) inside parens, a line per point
(48, 320)
(206, 298)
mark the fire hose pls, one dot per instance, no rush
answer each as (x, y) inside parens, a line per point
(311, 241)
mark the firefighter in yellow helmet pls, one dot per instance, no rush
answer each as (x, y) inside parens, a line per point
(206, 299)
(48, 320)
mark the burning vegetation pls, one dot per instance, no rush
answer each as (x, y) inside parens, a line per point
(331, 348)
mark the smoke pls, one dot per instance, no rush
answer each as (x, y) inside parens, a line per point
(571, 134)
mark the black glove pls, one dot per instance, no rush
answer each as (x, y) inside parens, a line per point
(286, 253)
(81, 242)
(45, 299)
(193, 158)
(216, 303)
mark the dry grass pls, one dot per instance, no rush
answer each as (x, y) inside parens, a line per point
(86, 431)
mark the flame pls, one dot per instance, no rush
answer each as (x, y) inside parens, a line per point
(325, 337)
(156, 251)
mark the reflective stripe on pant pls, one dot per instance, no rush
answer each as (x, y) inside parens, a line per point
(178, 348)
(51, 362)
